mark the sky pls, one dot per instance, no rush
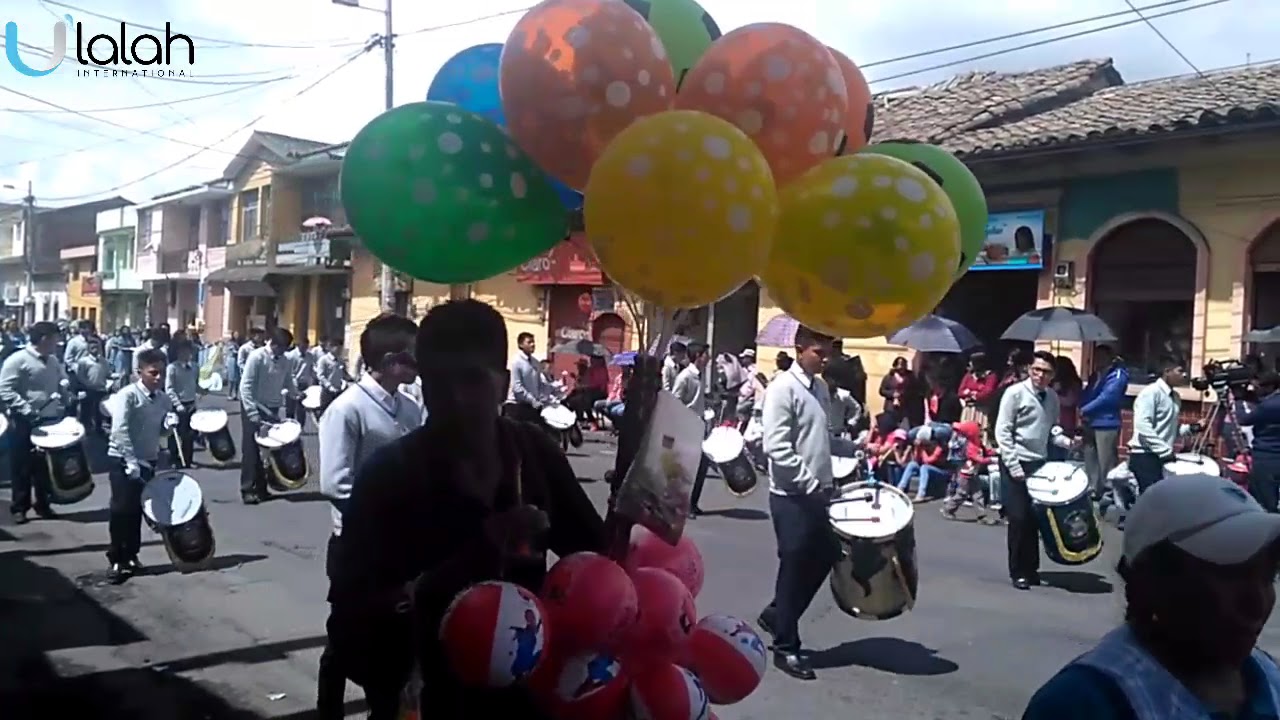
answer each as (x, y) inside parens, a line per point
(258, 57)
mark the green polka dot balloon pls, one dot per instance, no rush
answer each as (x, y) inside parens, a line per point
(444, 195)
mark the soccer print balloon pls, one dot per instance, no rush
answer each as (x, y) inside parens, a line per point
(444, 195)
(493, 634)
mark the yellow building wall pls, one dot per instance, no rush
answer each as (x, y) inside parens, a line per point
(256, 175)
(78, 304)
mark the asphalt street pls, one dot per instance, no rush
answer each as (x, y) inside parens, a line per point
(242, 640)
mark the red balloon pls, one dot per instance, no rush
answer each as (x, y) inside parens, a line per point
(590, 601)
(682, 559)
(589, 687)
(667, 616)
(728, 656)
(860, 120)
(668, 692)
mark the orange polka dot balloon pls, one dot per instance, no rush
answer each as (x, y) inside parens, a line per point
(575, 73)
(860, 121)
(780, 86)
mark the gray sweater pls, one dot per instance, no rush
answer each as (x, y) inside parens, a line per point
(797, 440)
(26, 382)
(137, 423)
(264, 381)
(1024, 423)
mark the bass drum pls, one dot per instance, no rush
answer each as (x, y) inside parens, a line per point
(173, 506)
(1068, 524)
(558, 417)
(213, 425)
(1192, 464)
(61, 444)
(725, 447)
(875, 576)
(286, 463)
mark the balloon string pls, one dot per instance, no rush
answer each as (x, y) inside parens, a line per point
(683, 74)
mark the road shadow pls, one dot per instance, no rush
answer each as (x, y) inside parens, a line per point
(738, 513)
(891, 655)
(306, 496)
(85, 517)
(1077, 582)
(42, 611)
(222, 562)
(75, 550)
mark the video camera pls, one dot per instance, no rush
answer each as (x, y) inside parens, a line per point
(1222, 376)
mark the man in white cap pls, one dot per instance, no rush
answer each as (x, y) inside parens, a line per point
(1199, 566)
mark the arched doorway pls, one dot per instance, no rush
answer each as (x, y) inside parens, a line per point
(1264, 284)
(610, 330)
(1142, 282)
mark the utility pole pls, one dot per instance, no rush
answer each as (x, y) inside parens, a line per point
(28, 250)
(386, 278)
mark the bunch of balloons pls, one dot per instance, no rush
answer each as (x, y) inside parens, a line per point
(604, 641)
(706, 160)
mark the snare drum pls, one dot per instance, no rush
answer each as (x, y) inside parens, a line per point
(212, 424)
(173, 506)
(61, 444)
(1192, 464)
(1064, 513)
(558, 417)
(876, 576)
(842, 468)
(725, 447)
(285, 460)
(311, 397)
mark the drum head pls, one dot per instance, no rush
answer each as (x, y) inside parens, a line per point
(1058, 483)
(1192, 464)
(870, 511)
(171, 498)
(723, 444)
(64, 433)
(558, 417)
(843, 467)
(311, 398)
(208, 421)
(4, 423)
(281, 434)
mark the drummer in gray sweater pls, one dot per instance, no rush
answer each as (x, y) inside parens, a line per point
(1024, 425)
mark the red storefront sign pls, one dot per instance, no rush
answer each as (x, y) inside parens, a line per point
(568, 263)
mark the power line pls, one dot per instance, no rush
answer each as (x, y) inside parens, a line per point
(109, 72)
(1041, 43)
(145, 106)
(220, 140)
(1165, 39)
(463, 23)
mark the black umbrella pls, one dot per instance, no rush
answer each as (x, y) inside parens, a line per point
(933, 333)
(1264, 336)
(1059, 323)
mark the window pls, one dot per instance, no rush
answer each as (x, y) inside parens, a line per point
(144, 227)
(220, 233)
(1143, 284)
(320, 199)
(249, 215)
(93, 316)
(193, 228)
(266, 211)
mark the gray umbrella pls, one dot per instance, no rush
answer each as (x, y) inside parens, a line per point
(779, 331)
(581, 347)
(1267, 335)
(1059, 323)
(932, 333)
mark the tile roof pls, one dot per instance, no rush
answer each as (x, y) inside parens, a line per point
(1229, 97)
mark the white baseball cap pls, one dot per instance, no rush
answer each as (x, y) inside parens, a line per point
(1208, 517)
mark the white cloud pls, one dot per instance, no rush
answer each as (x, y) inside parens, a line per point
(70, 156)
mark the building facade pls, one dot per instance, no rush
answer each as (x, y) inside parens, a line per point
(13, 266)
(63, 262)
(123, 294)
(281, 266)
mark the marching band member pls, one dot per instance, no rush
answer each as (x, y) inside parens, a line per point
(528, 392)
(1028, 412)
(304, 376)
(78, 345)
(688, 390)
(330, 373)
(31, 385)
(94, 375)
(137, 421)
(1156, 426)
(450, 504)
(368, 415)
(675, 361)
(264, 383)
(158, 339)
(181, 385)
(798, 444)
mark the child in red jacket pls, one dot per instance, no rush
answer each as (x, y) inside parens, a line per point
(968, 484)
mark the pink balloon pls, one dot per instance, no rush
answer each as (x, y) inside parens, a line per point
(682, 559)
(591, 602)
(667, 617)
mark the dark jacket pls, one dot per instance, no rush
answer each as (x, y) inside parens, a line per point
(1265, 421)
(1102, 397)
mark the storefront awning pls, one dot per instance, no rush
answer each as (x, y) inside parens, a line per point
(247, 273)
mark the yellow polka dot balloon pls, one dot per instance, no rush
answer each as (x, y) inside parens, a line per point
(681, 209)
(866, 244)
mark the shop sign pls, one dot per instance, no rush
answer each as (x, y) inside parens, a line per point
(1015, 241)
(90, 286)
(568, 263)
(570, 334)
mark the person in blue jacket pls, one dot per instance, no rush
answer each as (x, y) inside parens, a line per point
(1100, 414)
(1264, 419)
(1199, 565)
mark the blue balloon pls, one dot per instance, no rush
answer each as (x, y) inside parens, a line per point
(470, 80)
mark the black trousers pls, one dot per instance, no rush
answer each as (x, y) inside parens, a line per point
(28, 477)
(124, 518)
(182, 439)
(806, 551)
(700, 479)
(91, 411)
(327, 396)
(1147, 468)
(253, 478)
(294, 407)
(1264, 481)
(1023, 536)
